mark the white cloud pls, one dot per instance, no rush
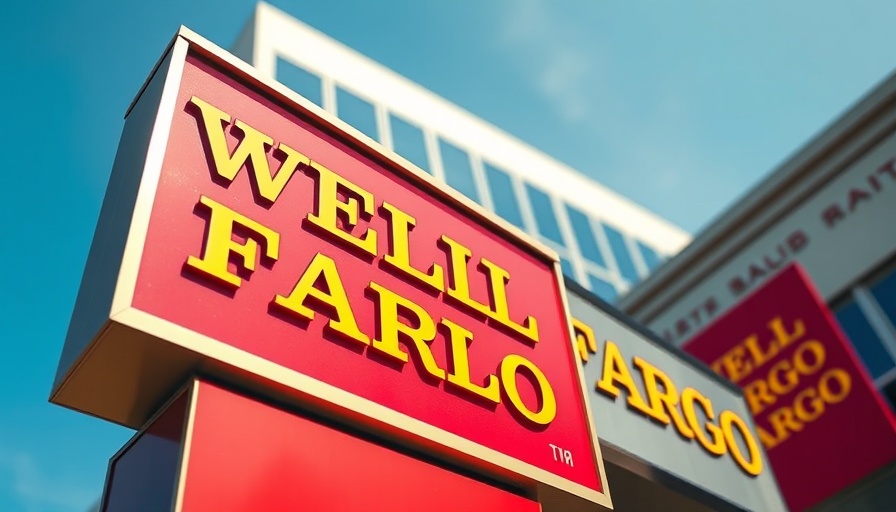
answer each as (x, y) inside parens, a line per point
(644, 122)
(561, 71)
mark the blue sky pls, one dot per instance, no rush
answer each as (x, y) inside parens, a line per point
(680, 105)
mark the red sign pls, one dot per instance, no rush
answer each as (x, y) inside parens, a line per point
(271, 459)
(818, 415)
(301, 261)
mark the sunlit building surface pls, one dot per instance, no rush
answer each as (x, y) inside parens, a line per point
(606, 242)
(830, 207)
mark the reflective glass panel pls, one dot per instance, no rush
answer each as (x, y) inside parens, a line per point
(602, 288)
(620, 251)
(651, 258)
(503, 195)
(566, 267)
(885, 293)
(864, 339)
(544, 214)
(581, 226)
(356, 112)
(299, 80)
(407, 140)
(458, 172)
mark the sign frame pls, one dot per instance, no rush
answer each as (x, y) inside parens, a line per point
(113, 349)
(805, 385)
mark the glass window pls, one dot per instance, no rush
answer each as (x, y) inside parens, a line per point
(407, 140)
(544, 214)
(602, 288)
(503, 195)
(885, 293)
(299, 80)
(566, 267)
(620, 251)
(651, 258)
(890, 393)
(864, 339)
(356, 112)
(581, 226)
(458, 172)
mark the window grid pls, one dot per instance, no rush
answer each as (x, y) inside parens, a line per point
(526, 211)
(609, 256)
(476, 166)
(300, 80)
(382, 125)
(603, 288)
(431, 140)
(458, 168)
(885, 379)
(634, 252)
(582, 267)
(881, 325)
(404, 141)
(328, 94)
(357, 111)
(622, 256)
(649, 255)
(505, 199)
(583, 232)
(864, 338)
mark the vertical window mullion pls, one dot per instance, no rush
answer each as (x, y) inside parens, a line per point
(876, 318)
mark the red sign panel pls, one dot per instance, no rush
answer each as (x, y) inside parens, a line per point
(818, 415)
(274, 460)
(273, 245)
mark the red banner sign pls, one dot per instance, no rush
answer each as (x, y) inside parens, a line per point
(817, 414)
(272, 459)
(275, 245)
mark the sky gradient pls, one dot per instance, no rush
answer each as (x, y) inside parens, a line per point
(681, 106)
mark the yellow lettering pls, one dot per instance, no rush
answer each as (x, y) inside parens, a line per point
(663, 403)
(459, 367)
(497, 281)
(399, 255)
(459, 280)
(759, 356)
(783, 422)
(585, 340)
(219, 244)
(774, 377)
(757, 396)
(332, 297)
(767, 440)
(690, 397)
(615, 371)
(459, 288)
(730, 422)
(393, 331)
(844, 382)
(815, 401)
(330, 210)
(734, 364)
(818, 357)
(786, 338)
(252, 149)
(510, 365)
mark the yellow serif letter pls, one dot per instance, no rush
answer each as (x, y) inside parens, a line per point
(219, 244)
(333, 302)
(252, 149)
